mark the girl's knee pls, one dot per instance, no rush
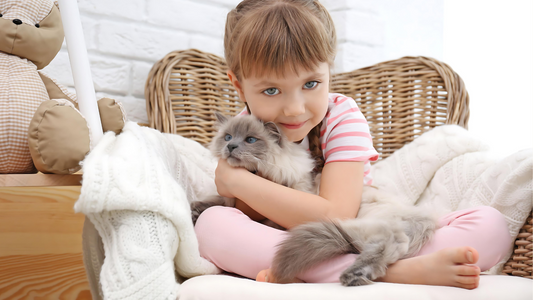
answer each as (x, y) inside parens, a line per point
(493, 224)
(488, 211)
(491, 218)
(215, 221)
(218, 214)
(216, 229)
(496, 239)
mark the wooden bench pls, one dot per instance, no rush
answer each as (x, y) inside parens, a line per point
(41, 238)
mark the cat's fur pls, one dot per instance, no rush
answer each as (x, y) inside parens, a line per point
(272, 156)
(383, 232)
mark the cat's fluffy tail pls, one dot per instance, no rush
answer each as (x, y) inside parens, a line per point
(308, 245)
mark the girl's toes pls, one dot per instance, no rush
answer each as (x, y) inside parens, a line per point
(464, 255)
(472, 255)
(266, 276)
(470, 286)
(262, 276)
(467, 270)
(467, 280)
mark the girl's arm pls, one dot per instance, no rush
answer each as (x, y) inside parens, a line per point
(247, 210)
(340, 194)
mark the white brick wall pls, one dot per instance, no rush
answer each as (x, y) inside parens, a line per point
(359, 36)
(126, 37)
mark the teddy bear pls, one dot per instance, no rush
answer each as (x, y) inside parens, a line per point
(41, 128)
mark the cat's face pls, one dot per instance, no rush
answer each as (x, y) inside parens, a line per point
(244, 141)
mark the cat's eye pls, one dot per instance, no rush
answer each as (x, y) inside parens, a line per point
(227, 137)
(251, 140)
(310, 84)
(271, 91)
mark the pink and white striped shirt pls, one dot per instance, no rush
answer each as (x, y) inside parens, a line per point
(344, 135)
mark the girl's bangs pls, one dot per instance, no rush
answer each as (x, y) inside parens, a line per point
(282, 39)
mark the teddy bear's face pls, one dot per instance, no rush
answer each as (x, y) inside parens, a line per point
(31, 29)
(27, 12)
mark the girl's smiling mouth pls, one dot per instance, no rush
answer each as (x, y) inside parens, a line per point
(293, 126)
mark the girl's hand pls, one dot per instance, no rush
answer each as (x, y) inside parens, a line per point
(225, 176)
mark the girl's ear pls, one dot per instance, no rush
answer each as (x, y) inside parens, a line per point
(235, 82)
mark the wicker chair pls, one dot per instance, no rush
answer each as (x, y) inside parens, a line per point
(401, 99)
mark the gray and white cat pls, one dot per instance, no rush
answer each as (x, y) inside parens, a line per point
(261, 148)
(383, 232)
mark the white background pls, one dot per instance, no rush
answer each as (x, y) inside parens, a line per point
(489, 43)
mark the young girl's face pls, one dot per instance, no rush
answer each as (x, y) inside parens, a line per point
(295, 103)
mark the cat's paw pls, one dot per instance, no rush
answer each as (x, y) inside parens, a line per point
(362, 274)
(355, 277)
(197, 208)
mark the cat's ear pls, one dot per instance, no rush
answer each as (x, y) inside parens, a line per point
(221, 119)
(274, 131)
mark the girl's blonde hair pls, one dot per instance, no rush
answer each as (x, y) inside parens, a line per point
(266, 37)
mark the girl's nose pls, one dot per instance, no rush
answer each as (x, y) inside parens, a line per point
(294, 107)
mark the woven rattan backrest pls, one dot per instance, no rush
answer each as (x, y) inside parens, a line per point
(405, 97)
(400, 98)
(184, 89)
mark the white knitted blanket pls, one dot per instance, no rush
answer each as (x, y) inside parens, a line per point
(137, 187)
(448, 169)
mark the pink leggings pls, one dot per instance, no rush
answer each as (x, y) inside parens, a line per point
(235, 243)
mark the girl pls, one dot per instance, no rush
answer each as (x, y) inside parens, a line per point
(279, 55)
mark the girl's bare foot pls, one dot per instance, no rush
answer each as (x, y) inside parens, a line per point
(266, 276)
(447, 267)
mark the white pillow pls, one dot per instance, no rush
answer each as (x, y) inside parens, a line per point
(218, 287)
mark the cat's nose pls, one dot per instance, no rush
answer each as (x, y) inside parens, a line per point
(231, 147)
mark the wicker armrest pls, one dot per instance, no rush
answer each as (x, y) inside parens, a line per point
(521, 263)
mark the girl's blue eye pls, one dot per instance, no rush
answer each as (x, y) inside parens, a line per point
(251, 140)
(227, 137)
(311, 84)
(271, 91)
